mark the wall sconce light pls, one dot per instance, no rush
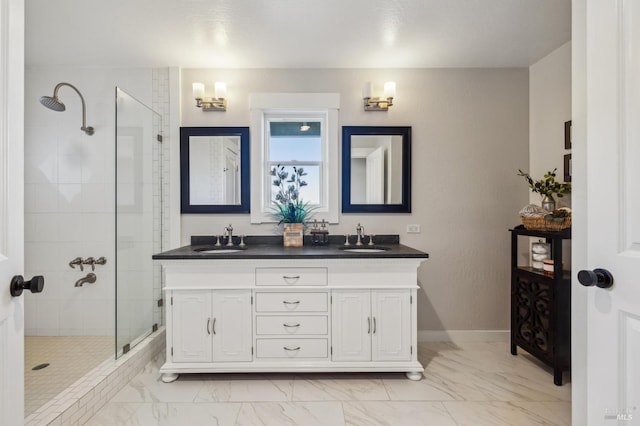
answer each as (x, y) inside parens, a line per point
(375, 103)
(217, 103)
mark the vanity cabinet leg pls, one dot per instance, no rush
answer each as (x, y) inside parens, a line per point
(414, 375)
(169, 377)
(514, 349)
(557, 377)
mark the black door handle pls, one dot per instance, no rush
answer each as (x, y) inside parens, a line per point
(598, 277)
(35, 284)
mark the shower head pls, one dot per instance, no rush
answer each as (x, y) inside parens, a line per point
(53, 103)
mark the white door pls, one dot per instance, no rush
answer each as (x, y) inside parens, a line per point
(375, 177)
(391, 328)
(231, 325)
(607, 64)
(191, 326)
(11, 210)
(351, 325)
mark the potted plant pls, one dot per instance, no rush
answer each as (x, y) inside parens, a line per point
(547, 187)
(289, 208)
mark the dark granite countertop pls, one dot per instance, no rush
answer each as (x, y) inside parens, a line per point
(271, 247)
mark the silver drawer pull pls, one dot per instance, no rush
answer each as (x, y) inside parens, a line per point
(297, 277)
(291, 325)
(291, 303)
(291, 349)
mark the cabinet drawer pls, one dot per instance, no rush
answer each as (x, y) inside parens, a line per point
(291, 276)
(291, 348)
(291, 302)
(292, 324)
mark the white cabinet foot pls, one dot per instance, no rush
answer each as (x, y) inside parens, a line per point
(414, 375)
(171, 377)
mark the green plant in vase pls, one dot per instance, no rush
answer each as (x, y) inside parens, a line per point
(289, 207)
(547, 187)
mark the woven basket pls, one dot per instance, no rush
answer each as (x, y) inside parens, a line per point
(537, 223)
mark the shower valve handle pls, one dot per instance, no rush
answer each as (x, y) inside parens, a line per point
(90, 261)
(77, 261)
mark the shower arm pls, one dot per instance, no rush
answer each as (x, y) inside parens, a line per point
(88, 130)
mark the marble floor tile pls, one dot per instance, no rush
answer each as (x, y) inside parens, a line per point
(125, 414)
(392, 413)
(147, 387)
(498, 413)
(401, 389)
(202, 414)
(246, 387)
(477, 383)
(347, 387)
(291, 413)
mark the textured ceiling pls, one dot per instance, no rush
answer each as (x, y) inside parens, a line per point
(294, 33)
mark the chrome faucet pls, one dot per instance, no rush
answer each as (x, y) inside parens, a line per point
(90, 278)
(360, 233)
(229, 230)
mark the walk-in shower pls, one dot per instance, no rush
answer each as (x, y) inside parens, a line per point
(54, 103)
(93, 219)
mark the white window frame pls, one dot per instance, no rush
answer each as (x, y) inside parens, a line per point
(288, 105)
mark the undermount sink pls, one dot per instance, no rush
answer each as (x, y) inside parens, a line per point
(218, 250)
(374, 249)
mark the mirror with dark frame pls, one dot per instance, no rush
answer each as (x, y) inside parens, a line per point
(214, 169)
(376, 169)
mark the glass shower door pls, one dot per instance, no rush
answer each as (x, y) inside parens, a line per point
(138, 220)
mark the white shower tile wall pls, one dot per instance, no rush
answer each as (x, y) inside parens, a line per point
(69, 197)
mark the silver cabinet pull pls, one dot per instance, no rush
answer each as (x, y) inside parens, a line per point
(208, 322)
(368, 325)
(291, 325)
(296, 277)
(291, 349)
(214, 326)
(374, 325)
(291, 303)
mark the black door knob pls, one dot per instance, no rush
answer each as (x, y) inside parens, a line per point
(598, 277)
(35, 284)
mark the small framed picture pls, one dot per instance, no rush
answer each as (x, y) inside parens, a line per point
(567, 134)
(567, 167)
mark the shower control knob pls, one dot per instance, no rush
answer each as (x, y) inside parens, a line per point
(35, 284)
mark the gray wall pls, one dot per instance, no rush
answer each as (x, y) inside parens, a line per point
(470, 135)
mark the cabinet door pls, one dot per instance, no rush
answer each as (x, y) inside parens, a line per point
(391, 313)
(351, 325)
(191, 328)
(231, 325)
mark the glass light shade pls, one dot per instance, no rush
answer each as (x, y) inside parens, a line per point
(367, 90)
(220, 90)
(390, 89)
(198, 90)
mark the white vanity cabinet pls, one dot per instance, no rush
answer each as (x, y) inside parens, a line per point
(291, 315)
(371, 325)
(210, 326)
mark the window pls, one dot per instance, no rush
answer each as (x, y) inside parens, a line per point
(295, 131)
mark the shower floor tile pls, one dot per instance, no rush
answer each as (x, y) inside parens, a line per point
(69, 358)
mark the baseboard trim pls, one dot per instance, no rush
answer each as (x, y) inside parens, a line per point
(463, 335)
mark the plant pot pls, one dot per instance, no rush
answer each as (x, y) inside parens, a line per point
(292, 234)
